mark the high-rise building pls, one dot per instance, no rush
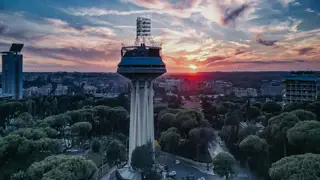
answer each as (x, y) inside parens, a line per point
(300, 86)
(12, 62)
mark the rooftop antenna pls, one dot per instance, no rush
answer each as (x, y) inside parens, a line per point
(143, 31)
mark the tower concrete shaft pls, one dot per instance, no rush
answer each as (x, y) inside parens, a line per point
(141, 114)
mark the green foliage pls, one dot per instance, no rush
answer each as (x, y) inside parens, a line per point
(142, 158)
(188, 125)
(250, 129)
(36, 133)
(169, 141)
(253, 144)
(305, 135)
(193, 113)
(297, 167)
(95, 146)
(115, 151)
(81, 129)
(23, 120)
(18, 176)
(166, 121)
(96, 157)
(61, 167)
(223, 164)
(293, 106)
(253, 112)
(10, 109)
(304, 115)
(281, 123)
(315, 108)
(271, 107)
(167, 110)
(18, 153)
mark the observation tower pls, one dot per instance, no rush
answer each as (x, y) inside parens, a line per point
(141, 63)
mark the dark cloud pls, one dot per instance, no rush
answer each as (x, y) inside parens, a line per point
(304, 51)
(18, 34)
(239, 51)
(3, 28)
(261, 62)
(85, 54)
(211, 60)
(231, 15)
(265, 42)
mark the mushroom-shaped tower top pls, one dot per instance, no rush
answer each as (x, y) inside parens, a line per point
(141, 60)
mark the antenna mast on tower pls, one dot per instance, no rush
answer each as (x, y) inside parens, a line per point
(143, 31)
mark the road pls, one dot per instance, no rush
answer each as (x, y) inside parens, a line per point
(182, 169)
(217, 146)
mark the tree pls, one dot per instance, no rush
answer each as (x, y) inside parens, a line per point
(18, 153)
(253, 112)
(95, 146)
(271, 107)
(304, 115)
(61, 167)
(193, 113)
(180, 119)
(315, 108)
(115, 151)
(279, 125)
(81, 130)
(10, 109)
(188, 125)
(36, 133)
(297, 167)
(305, 136)
(293, 106)
(250, 129)
(23, 120)
(223, 164)
(169, 141)
(142, 159)
(256, 151)
(253, 144)
(165, 121)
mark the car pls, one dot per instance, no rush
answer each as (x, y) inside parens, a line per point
(190, 177)
(172, 173)
(177, 162)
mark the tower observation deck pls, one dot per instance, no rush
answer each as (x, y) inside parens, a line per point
(141, 63)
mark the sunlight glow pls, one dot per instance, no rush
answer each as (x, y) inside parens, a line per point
(193, 67)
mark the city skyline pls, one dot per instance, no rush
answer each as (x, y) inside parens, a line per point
(87, 36)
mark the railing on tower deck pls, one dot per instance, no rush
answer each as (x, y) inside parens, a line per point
(147, 43)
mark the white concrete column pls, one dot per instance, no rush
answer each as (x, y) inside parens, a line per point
(132, 121)
(141, 115)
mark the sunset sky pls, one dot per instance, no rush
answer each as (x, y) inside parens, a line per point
(86, 35)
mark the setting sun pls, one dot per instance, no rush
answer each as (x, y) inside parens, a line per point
(193, 67)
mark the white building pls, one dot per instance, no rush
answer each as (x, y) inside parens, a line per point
(245, 92)
(61, 90)
(45, 90)
(89, 89)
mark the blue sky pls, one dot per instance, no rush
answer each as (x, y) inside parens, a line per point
(83, 35)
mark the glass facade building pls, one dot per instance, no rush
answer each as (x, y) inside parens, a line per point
(300, 87)
(12, 83)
